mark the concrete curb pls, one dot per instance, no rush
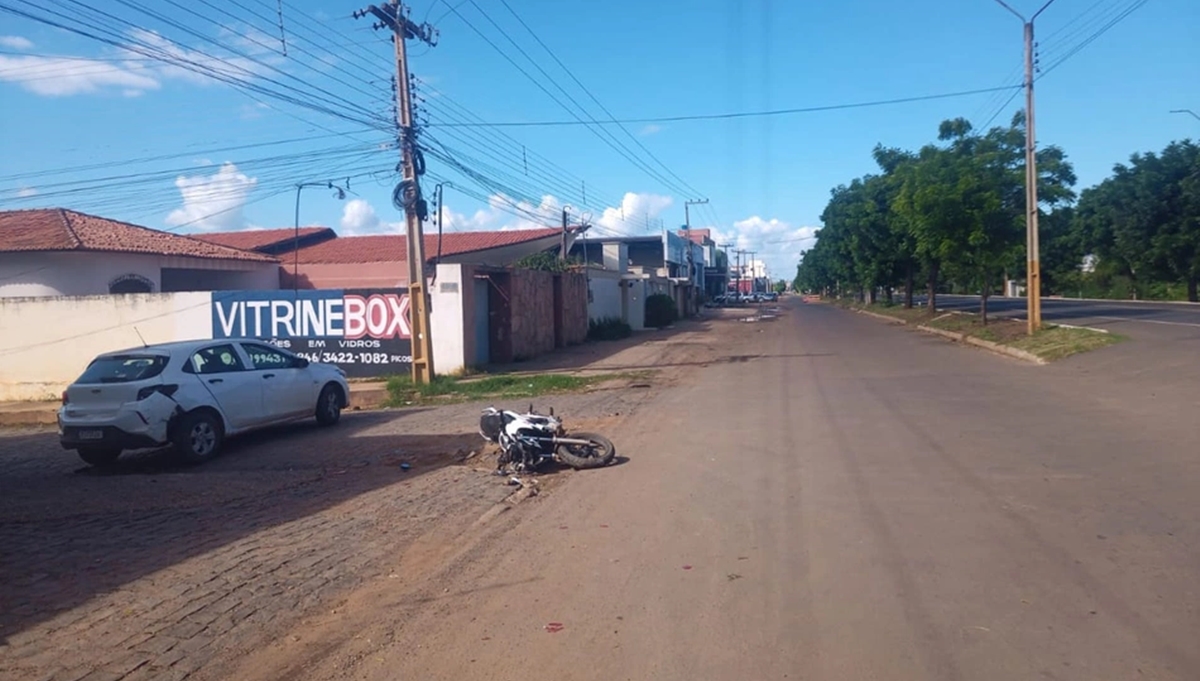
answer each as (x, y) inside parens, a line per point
(985, 344)
(1085, 328)
(884, 317)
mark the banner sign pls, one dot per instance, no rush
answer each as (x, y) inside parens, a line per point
(366, 332)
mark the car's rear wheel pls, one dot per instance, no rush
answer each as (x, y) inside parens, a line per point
(329, 405)
(99, 457)
(198, 436)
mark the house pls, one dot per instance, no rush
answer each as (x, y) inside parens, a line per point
(271, 241)
(60, 252)
(625, 270)
(328, 261)
(715, 276)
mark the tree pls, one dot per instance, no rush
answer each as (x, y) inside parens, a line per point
(1145, 219)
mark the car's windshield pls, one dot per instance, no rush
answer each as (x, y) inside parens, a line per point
(123, 368)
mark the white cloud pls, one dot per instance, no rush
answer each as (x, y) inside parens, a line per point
(26, 192)
(62, 76)
(132, 72)
(16, 42)
(776, 243)
(213, 202)
(205, 66)
(650, 129)
(634, 212)
(359, 217)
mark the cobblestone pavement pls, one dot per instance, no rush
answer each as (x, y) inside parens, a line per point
(158, 571)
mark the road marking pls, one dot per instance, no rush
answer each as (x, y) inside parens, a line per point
(1147, 321)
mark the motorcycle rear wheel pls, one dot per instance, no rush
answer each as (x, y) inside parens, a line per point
(596, 455)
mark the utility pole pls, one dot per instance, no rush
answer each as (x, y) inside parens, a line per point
(687, 228)
(753, 272)
(1033, 277)
(407, 195)
(562, 248)
(738, 281)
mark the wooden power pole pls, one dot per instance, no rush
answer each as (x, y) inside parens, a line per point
(1033, 275)
(407, 196)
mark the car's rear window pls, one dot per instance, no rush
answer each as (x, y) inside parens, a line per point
(123, 369)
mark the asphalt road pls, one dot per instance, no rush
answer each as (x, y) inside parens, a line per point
(1142, 319)
(841, 499)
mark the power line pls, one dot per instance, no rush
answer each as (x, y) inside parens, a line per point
(1092, 38)
(611, 117)
(739, 114)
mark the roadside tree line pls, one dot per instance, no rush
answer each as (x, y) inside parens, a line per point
(951, 216)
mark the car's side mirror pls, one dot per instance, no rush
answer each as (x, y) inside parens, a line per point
(301, 363)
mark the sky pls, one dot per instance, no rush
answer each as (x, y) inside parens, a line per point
(205, 116)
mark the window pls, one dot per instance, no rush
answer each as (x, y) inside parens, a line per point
(130, 283)
(123, 369)
(216, 360)
(263, 357)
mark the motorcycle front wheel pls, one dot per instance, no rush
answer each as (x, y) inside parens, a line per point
(598, 452)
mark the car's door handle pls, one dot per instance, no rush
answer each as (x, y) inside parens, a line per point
(268, 375)
(216, 380)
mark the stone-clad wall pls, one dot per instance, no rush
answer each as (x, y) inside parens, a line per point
(575, 308)
(532, 300)
(533, 314)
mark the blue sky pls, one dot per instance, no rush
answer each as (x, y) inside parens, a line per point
(71, 101)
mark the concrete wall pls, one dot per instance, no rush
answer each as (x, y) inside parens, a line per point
(635, 303)
(452, 318)
(532, 299)
(90, 273)
(605, 295)
(45, 343)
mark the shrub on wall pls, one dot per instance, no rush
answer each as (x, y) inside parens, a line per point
(609, 328)
(661, 310)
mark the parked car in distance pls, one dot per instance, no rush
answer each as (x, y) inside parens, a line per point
(192, 394)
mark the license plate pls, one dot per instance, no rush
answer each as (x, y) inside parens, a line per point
(91, 435)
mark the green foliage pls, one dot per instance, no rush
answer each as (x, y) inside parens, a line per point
(956, 209)
(607, 329)
(546, 261)
(661, 311)
(1144, 221)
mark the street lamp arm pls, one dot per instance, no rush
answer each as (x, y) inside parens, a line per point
(1043, 9)
(1017, 14)
(1189, 112)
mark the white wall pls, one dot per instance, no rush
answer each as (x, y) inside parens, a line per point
(605, 300)
(616, 256)
(452, 318)
(45, 343)
(635, 303)
(71, 274)
(89, 273)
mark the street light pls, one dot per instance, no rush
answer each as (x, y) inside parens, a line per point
(1033, 294)
(341, 195)
(1187, 111)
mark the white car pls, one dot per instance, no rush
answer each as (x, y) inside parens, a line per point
(192, 394)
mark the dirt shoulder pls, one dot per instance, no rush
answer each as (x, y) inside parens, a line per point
(1005, 336)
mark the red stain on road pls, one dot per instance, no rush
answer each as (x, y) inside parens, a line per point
(553, 627)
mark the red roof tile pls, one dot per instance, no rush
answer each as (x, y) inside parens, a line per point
(254, 239)
(393, 247)
(58, 229)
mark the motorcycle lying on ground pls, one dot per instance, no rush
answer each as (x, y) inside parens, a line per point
(528, 440)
